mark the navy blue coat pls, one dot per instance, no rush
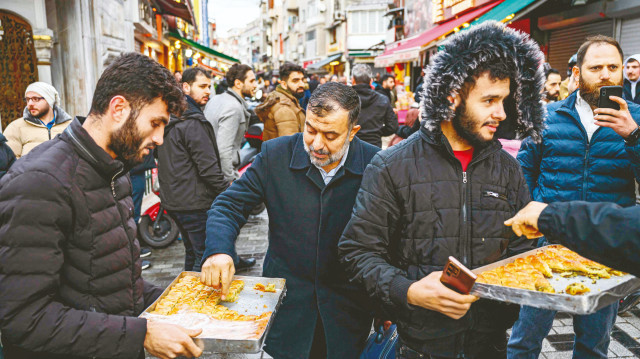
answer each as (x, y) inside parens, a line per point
(566, 166)
(306, 220)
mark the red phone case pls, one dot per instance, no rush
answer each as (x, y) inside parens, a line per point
(457, 277)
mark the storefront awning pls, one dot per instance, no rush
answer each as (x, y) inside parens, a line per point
(203, 48)
(505, 11)
(324, 62)
(214, 70)
(410, 49)
(393, 11)
(182, 9)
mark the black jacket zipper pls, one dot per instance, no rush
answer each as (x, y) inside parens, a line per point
(124, 224)
(466, 242)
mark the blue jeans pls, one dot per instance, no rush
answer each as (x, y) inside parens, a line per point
(592, 333)
(193, 226)
(138, 184)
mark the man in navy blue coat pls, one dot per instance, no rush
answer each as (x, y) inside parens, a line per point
(309, 183)
(589, 154)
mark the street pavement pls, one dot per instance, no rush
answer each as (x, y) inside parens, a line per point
(167, 263)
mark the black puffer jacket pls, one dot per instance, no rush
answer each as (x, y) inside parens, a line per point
(416, 206)
(376, 118)
(409, 218)
(7, 158)
(70, 283)
(189, 163)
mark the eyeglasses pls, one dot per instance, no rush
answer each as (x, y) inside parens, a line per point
(34, 99)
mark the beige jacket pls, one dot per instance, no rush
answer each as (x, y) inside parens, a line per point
(25, 133)
(281, 114)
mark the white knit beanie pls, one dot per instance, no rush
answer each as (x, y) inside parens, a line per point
(45, 90)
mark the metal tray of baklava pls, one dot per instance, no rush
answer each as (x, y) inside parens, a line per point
(603, 292)
(249, 302)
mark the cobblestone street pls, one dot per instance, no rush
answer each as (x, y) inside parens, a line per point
(168, 263)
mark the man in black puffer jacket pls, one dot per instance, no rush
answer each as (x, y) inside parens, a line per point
(446, 191)
(189, 168)
(70, 284)
(377, 118)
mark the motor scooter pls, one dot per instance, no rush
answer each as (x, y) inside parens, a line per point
(157, 228)
(251, 147)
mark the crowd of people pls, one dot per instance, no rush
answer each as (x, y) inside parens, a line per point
(357, 232)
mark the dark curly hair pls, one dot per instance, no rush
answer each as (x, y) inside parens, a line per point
(237, 72)
(189, 75)
(140, 80)
(332, 96)
(288, 68)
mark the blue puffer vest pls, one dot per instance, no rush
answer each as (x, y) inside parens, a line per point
(566, 166)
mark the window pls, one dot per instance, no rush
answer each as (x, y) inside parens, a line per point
(366, 22)
(312, 11)
(333, 35)
(311, 35)
(291, 22)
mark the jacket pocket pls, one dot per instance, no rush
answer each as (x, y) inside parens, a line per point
(493, 194)
(496, 198)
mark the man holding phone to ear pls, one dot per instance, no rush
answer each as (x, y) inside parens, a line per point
(588, 153)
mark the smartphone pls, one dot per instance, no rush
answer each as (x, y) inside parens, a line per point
(604, 101)
(457, 277)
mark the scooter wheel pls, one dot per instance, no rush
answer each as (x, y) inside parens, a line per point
(166, 233)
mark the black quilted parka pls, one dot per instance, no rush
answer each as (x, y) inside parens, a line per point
(416, 206)
(70, 283)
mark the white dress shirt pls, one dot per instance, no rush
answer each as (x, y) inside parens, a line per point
(586, 116)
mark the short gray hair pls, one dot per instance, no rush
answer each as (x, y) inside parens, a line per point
(362, 73)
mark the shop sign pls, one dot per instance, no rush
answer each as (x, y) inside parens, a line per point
(443, 10)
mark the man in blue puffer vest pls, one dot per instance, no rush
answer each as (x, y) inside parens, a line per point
(589, 154)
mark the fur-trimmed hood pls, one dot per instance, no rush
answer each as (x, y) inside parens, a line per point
(463, 53)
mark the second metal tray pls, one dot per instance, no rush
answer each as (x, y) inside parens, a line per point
(250, 302)
(603, 292)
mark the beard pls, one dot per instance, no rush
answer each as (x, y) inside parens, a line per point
(298, 94)
(553, 97)
(333, 158)
(468, 129)
(246, 92)
(126, 142)
(590, 92)
(41, 113)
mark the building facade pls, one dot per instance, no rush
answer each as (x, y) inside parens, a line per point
(72, 43)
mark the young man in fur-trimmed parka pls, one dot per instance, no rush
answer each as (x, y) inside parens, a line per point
(446, 191)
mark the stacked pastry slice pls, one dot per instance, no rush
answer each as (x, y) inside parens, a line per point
(522, 273)
(190, 295)
(531, 272)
